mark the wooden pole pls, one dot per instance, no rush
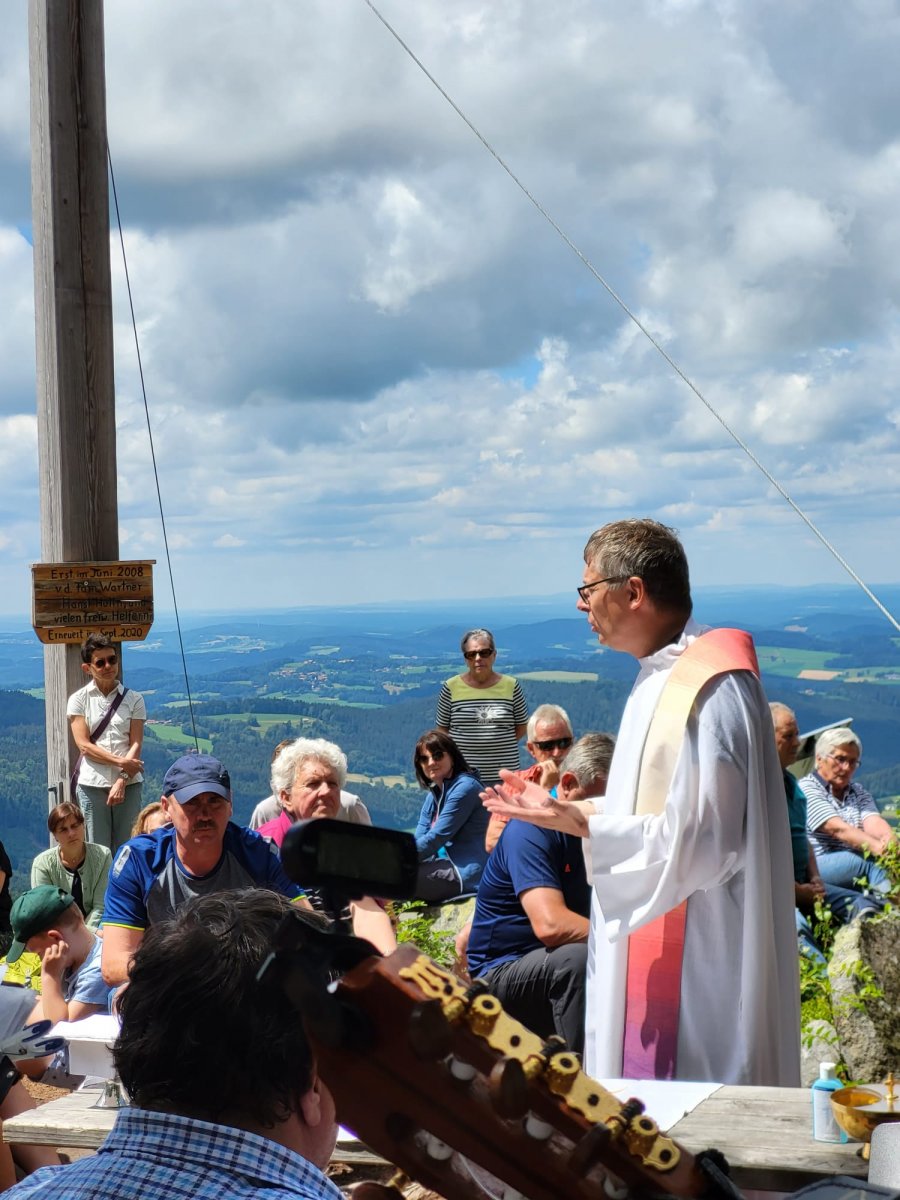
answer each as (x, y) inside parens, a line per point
(73, 313)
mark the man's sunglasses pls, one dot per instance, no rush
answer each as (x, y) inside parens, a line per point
(555, 744)
(99, 663)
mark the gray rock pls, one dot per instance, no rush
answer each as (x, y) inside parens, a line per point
(864, 973)
(823, 1047)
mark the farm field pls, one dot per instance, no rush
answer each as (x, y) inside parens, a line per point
(173, 733)
(559, 676)
(780, 660)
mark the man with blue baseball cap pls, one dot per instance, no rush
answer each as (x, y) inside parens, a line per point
(201, 852)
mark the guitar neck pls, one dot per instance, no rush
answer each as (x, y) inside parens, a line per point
(441, 1082)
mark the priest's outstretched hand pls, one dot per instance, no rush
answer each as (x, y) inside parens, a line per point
(530, 802)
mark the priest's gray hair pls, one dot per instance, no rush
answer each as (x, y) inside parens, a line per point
(589, 759)
(832, 739)
(546, 713)
(651, 551)
(294, 755)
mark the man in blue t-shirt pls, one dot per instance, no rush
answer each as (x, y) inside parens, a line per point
(530, 928)
(202, 852)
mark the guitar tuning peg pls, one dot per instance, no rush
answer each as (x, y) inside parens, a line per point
(437, 1149)
(590, 1149)
(508, 1088)
(537, 1129)
(462, 1071)
(561, 1073)
(429, 1032)
(483, 1014)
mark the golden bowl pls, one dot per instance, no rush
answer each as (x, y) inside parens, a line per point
(858, 1110)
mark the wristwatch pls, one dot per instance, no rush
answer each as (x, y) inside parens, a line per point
(123, 775)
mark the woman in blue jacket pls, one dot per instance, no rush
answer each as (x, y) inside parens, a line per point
(452, 823)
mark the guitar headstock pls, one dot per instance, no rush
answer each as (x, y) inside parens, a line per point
(438, 1079)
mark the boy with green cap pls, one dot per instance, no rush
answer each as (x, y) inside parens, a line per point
(48, 922)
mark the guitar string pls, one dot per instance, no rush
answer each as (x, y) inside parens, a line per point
(732, 433)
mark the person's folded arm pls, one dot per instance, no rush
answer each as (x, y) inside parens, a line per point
(370, 921)
(120, 944)
(553, 923)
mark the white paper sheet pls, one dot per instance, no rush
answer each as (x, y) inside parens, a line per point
(665, 1101)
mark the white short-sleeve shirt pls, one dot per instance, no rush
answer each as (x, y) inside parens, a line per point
(89, 702)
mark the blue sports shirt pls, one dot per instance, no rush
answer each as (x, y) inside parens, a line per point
(147, 882)
(525, 857)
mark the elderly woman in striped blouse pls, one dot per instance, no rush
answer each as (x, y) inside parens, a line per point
(484, 712)
(847, 831)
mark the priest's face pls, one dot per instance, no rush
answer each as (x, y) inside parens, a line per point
(606, 603)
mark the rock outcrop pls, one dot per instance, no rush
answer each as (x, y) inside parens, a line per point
(864, 973)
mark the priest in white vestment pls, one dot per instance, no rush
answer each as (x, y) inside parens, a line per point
(720, 840)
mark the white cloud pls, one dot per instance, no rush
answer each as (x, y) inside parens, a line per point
(366, 353)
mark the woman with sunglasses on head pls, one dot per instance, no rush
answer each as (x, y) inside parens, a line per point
(846, 830)
(452, 823)
(107, 723)
(484, 712)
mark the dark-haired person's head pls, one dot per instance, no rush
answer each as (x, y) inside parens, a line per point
(645, 549)
(636, 588)
(61, 814)
(202, 1038)
(94, 642)
(437, 744)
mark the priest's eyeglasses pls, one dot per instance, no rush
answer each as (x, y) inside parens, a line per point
(586, 588)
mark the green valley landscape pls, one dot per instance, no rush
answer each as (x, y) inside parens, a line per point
(368, 678)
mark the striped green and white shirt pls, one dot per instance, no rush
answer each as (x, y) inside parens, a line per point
(482, 722)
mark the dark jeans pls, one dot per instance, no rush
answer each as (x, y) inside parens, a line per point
(544, 989)
(437, 880)
(846, 905)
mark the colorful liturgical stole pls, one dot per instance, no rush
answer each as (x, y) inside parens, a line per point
(653, 984)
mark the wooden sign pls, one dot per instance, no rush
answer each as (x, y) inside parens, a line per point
(72, 600)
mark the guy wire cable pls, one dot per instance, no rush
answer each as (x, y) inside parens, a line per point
(636, 320)
(162, 515)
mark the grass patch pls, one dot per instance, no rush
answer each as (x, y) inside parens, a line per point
(263, 721)
(781, 660)
(559, 676)
(172, 733)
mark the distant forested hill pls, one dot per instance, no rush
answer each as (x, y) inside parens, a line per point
(23, 781)
(368, 680)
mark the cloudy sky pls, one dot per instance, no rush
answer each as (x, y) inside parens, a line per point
(375, 372)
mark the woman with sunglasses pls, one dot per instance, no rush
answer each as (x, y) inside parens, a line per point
(484, 712)
(452, 823)
(107, 723)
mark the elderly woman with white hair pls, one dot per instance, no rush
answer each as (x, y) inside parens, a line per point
(845, 827)
(307, 777)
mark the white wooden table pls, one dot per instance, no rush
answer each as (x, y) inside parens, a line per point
(765, 1133)
(72, 1121)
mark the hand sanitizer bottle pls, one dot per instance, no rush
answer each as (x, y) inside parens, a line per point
(825, 1127)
